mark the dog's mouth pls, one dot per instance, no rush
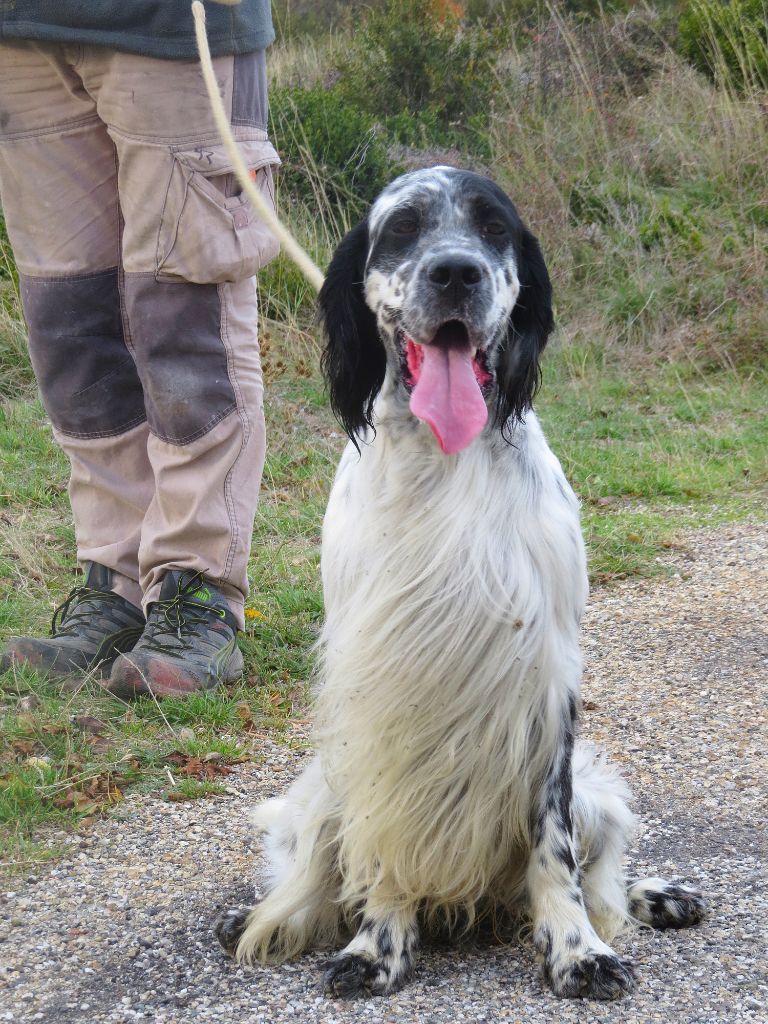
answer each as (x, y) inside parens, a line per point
(448, 379)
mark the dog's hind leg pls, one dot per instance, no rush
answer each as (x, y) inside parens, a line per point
(300, 907)
(380, 957)
(603, 825)
(663, 904)
(576, 961)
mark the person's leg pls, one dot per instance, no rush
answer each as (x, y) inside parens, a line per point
(191, 246)
(58, 181)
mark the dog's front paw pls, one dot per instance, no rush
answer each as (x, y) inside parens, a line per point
(229, 927)
(350, 974)
(592, 976)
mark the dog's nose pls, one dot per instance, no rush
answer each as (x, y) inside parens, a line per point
(455, 274)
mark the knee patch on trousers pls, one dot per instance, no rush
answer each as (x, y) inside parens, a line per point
(176, 330)
(87, 377)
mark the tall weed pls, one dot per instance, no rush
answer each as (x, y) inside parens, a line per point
(729, 41)
(16, 377)
(649, 198)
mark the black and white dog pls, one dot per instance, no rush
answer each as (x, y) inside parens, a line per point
(446, 782)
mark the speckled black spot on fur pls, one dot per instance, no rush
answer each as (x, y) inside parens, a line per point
(675, 906)
(539, 826)
(543, 942)
(573, 939)
(565, 855)
(658, 905)
(348, 975)
(597, 976)
(384, 941)
(564, 780)
(573, 711)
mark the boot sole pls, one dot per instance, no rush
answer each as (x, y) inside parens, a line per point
(35, 660)
(131, 682)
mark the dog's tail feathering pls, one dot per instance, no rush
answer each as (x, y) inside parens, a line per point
(300, 908)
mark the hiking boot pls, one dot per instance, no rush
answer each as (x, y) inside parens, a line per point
(88, 631)
(189, 642)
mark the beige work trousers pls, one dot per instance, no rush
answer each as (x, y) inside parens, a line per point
(137, 253)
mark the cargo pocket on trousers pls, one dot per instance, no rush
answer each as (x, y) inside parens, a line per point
(207, 236)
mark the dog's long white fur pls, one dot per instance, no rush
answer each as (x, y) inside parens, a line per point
(454, 587)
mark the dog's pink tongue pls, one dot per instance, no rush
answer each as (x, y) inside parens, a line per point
(448, 397)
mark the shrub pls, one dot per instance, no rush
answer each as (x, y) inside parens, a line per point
(729, 41)
(648, 198)
(332, 151)
(308, 17)
(418, 58)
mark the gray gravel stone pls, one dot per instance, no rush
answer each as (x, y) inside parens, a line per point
(120, 930)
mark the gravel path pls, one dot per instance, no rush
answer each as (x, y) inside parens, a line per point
(120, 930)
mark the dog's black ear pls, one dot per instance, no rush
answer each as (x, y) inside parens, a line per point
(530, 324)
(354, 361)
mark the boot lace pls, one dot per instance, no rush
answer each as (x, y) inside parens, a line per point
(178, 615)
(73, 613)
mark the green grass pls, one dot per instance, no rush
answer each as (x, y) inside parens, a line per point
(651, 451)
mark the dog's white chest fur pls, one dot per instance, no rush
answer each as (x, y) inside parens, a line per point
(442, 632)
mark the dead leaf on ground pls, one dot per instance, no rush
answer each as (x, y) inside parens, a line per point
(195, 767)
(101, 744)
(245, 714)
(89, 724)
(23, 747)
(92, 795)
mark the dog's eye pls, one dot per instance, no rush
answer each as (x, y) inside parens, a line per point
(405, 225)
(494, 227)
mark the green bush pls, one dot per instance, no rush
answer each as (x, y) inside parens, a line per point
(294, 18)
(671, 228)
(598, 198)
(332, 151)
(729, 41)
(416, 58)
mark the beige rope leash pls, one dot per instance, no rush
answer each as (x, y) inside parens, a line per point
(302, 260)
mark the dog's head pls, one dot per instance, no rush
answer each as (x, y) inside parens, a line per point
(445, 287)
